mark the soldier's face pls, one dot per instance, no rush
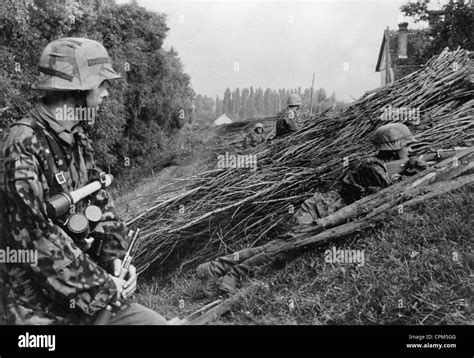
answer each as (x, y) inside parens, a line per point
(405, 152)
(96, 96)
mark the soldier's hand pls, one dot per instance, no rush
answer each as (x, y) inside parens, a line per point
(119, 283)
(396, 177)
(131, 285)
(416, 163)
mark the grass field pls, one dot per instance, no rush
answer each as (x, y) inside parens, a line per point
(418, 269)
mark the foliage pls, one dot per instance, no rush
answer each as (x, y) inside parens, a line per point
(452, 28)
(145, 108)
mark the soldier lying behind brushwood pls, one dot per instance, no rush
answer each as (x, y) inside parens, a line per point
(254, 138)
(371, 175)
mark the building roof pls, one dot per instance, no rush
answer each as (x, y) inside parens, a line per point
(222, 119)
(385, 38)
(417, 40)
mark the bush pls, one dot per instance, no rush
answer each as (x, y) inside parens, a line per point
(145, 108)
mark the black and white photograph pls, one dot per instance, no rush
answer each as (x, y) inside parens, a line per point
(241, 166)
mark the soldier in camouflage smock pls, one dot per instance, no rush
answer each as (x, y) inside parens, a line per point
(46, 154)
(254, 138)
(287, 122)
(392, 142)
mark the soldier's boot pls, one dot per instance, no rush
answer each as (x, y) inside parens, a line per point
(231, 267)
(265, 258)
(222, 265)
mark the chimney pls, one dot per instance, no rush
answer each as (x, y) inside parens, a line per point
(402, 39)
(434, 16)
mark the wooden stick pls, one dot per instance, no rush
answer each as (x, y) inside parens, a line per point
(343, 230)
(223, 307)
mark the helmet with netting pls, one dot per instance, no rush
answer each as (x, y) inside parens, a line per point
(70, 64)
(294, 99)
(392, 136)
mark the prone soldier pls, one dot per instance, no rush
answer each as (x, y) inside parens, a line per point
(393, 142)
(255, 137)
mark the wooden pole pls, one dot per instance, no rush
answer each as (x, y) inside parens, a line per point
(223, 307)
(311, 100)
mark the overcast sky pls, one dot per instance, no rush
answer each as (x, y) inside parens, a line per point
(279, 44)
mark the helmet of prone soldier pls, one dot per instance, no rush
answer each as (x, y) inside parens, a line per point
(392, 136)
(74, 64)
(257, 126)
(294, 99)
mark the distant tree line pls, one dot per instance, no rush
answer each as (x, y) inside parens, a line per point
(257, 103)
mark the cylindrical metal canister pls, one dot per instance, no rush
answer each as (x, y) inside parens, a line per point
(58, 205)
(78, 224)
(93, 213)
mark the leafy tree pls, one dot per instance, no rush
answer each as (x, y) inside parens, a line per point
(244, 106)
(204, 111)
(227, 102)
(260, 111)
(145, 108)
(267, 101)
(219, 107)
(252, 108)
(454, 28)
(236, 104)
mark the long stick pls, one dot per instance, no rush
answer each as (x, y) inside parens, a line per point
(223, 307)
(311, 100)
(346, 229)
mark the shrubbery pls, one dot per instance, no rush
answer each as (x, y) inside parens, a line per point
(145, 108)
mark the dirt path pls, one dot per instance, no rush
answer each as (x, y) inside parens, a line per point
(165, 184)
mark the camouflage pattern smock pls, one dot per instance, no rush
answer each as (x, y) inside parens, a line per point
(253, 139)
(286, 122)
(69, 284)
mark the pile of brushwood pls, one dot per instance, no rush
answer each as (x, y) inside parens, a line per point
(226, 209)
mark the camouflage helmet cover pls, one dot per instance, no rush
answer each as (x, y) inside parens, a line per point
(392, 136)
(74, 64)
(294, 99)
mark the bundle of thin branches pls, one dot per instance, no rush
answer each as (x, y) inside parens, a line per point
(226, 209)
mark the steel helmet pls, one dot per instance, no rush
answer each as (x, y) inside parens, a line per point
(258, 125)
(392, 136)
(294, 99)
(74, 64)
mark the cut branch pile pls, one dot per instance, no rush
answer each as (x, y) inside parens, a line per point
(225, 209)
